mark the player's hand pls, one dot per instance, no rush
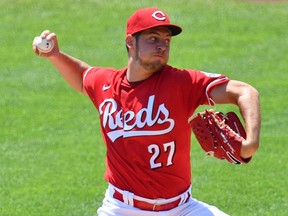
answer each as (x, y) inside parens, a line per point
(248, 148)
(49, 36)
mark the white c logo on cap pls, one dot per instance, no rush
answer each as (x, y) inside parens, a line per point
(159, 15)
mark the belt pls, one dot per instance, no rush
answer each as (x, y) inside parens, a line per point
(153, 206)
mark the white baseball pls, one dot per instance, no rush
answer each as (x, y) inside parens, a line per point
(43, 45)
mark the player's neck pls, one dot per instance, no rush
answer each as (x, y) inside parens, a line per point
(137, 73)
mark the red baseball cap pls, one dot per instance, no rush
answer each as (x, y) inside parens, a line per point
(147, 18)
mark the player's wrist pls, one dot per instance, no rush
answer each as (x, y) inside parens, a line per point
(57, 55)
(248, 149)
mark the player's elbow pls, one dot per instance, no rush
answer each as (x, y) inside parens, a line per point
(253, 92)
(249, 93)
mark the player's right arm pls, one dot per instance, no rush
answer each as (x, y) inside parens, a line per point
(69, 67)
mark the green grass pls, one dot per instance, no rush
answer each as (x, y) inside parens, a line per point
(51, 150)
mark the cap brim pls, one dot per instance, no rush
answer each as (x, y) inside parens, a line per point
(175, 30)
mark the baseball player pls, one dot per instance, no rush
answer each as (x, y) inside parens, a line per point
(144, 110)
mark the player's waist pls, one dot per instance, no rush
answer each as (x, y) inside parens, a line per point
(143, 203)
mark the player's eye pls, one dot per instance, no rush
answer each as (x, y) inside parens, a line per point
(155, 39)
(167, 41)
(152, 39)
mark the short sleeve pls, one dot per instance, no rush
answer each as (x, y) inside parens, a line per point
(202, 84)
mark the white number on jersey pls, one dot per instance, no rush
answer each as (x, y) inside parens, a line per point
(156, 151)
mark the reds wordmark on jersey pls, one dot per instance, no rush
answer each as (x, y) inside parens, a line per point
(145, 126)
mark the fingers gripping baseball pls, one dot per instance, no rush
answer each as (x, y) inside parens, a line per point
(45, 45)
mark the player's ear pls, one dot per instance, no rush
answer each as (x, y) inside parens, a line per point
(129, 41)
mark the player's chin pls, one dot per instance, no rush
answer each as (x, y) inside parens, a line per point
(157, 65)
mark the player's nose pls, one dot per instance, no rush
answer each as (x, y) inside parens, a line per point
(161, 46)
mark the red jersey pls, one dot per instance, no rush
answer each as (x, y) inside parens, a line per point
(145, 126)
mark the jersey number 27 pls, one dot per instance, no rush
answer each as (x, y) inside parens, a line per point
(156, 150)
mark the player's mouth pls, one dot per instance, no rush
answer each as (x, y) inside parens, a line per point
(159, 55)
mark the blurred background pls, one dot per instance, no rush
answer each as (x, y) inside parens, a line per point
(52, 157)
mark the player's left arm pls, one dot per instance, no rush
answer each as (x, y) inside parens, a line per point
(246, 97)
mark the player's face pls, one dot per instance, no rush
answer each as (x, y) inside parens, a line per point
(152, 48)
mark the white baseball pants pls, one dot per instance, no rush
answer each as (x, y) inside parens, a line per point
(114, 207)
